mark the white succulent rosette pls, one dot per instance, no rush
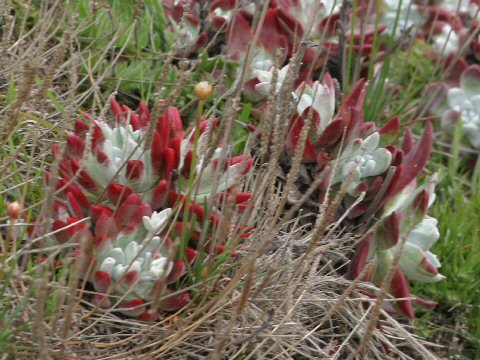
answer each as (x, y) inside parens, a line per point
(122, 144)
(402, 13)
(225, 13)
(447, 41)
(115, 158)
(133, 267)
(362, 160)
(461, 6)
(301, 11)
(462, 104)
(135, 260)
(416, 261)
(210, 178)
(419, 231)
(265, 80)
(320, 97)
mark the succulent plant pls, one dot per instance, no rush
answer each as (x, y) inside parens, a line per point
(187, 34)
(404, 226)
(319, 98)
(403, 14)
(265, 80)
(116, 160)
(328, 127)
(127, 190)
(129, 258)
(363, 159)
(460, 103)
(446, 41)
(405, 220)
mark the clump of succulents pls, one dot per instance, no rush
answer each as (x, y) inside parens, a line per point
(135, 246)
(347, 149)
(404, 230)
(360, 156)
(460, 102)
(128, 256)
(184, 28)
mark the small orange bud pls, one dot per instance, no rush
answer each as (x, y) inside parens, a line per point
(14, 209)
(203, 90)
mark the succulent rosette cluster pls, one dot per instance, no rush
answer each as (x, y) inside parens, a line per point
(185, 26)
(128, 255)
(404, 231)
(361, 156)
(460, 102)
(117, 196)
(349, 150)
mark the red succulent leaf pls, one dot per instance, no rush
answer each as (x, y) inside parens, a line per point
(65, 235)
(81, 128)
(357, 211)
(97, 210)
(179, 269)
(329, 25)
(354, 126)
(407, 141)
(421, 202)
(130, 278)
(100, 242)
(174, 121)
(56, 151)
(242, 197)
(397, 155)
(117, 110)
(220, 249)
(160, 196)
(102, 281)
(149, 316)
(117, 193)
(101, 156)
(142, 210)
(360, 257)
(190, 255)
(102, 301)
(309, 153)
(79, 196)
(158, 148)
(83, 177)
(413, 162)
(169, 163)
(66, 170)
(133, 308)
(176, 145)
(427, 304)
(356, 97)
(389, 230)
(134, 121)
(97, 136)
(367, 128)
(105, 225)
(332, 134)
(428, 266)
(271, 36)
(75, 145)
(239, 36)
(143, 115)
(455, 66)
(73, 205)
(127, 209)
(173, 302)
(392, 127)
(400, 289)
(135, 170)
